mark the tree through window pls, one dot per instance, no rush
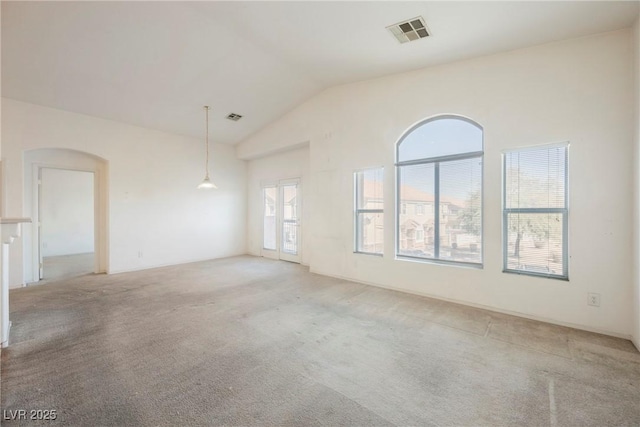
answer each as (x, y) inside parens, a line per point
(535, 211)
(439, 166)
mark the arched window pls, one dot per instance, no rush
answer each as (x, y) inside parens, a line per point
(439, 166)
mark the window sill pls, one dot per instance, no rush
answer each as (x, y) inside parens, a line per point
(368, 253)
(473, 266)
(534, 274)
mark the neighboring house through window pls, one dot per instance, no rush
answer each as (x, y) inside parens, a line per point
(439, 166)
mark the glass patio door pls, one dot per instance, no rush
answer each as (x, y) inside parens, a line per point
(281, 220)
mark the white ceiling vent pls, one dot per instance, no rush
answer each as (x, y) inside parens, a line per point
(233, 116)
(409, 30)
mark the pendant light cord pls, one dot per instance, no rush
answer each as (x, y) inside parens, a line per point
(206, 182)
(206, 164)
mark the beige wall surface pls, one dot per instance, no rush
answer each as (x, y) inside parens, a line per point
(156, 216)
(576, 91)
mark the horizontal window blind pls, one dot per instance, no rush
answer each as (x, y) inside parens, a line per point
(535, 212)
(535, 178)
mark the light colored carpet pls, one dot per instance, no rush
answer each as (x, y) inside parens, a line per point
(250, 341)
(67, 266)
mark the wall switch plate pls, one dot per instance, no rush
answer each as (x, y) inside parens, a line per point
(593, 299)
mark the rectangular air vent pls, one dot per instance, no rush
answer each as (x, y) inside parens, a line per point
(233, 116)
(409, 30)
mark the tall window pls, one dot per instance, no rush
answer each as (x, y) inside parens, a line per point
(369, 211)
(535, 211)
(439, 166)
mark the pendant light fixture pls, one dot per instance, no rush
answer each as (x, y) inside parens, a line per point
(206, 182)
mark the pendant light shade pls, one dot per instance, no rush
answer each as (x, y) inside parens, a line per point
(206, 182)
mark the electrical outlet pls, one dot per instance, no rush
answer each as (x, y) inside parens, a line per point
(593, 299)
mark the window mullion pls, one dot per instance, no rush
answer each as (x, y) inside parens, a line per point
(436, 203)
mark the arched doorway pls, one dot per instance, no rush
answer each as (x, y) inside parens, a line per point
(39, 160)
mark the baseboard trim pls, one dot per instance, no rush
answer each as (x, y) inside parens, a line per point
(174, 264)
(483, 307)
(306, 264)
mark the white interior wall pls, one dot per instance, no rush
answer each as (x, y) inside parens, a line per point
(289, 164)
(576, 90)
(66, 212)
(156, 215)
(636, 218)
(2, 203)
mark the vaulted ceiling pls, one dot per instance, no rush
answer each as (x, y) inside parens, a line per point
(155, 64)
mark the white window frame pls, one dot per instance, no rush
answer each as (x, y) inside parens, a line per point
(564, 211)
(357, 211)
(436, 204)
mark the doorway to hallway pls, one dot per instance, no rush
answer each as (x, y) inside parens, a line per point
(66, 238)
